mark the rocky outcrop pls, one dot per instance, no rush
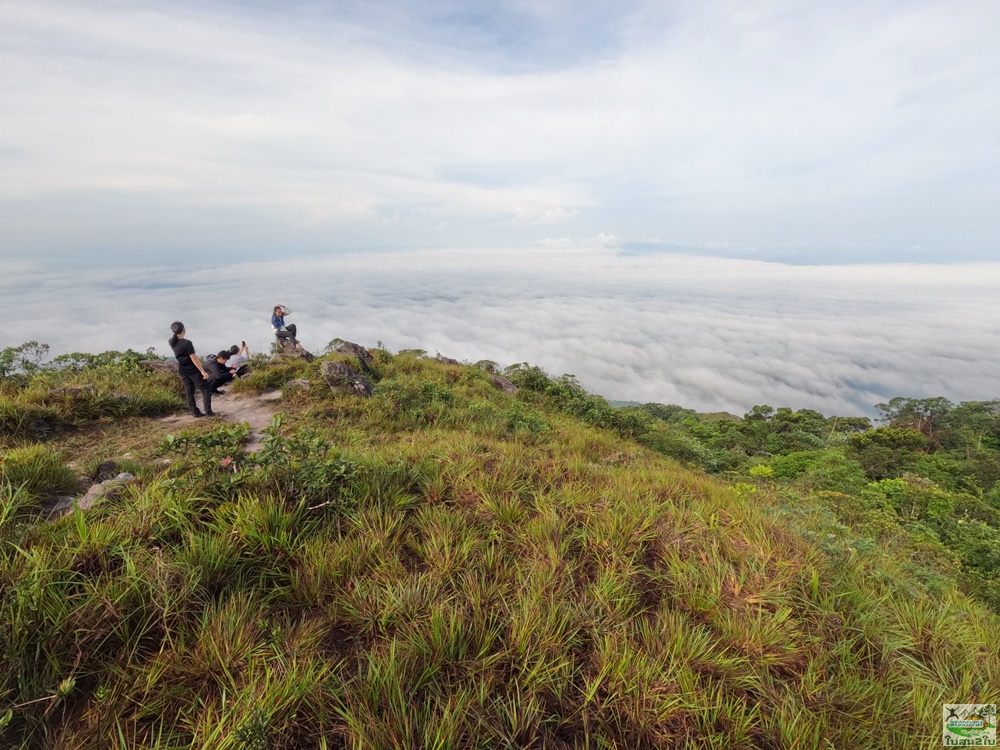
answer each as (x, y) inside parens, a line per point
(109, 489)
(298, 384)
(502, 384)
(342, 377)
(289, 349)
(364, 357)
(168, 366)
(447, 360)
(107, 470)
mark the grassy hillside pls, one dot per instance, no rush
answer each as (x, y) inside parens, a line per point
(443, 566)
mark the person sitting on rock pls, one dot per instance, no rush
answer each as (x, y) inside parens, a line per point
(237, 359)
(281, 330)
(218, 373)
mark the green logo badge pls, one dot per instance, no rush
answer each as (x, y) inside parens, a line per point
(970, 725)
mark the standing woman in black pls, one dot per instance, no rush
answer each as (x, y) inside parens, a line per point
(191, 371)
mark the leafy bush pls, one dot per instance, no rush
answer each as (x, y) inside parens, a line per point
(913, 498)
(302, 465)
(674, 443)
(834, 470)
(528, 377)
(889, 437)
(209, 452)
(521, 419)
(794, 465)
(24, 360)
(126, 362)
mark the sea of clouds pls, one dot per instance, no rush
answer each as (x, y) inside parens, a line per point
(707, 333)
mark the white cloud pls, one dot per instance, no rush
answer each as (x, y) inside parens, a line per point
(702, 332)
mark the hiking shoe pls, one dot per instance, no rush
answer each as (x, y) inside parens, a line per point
(211, 414)
(219, 393)
(197, 414)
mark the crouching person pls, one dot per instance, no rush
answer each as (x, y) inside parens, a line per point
(218, 373)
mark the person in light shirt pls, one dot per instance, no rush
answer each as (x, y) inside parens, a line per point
(237, 361)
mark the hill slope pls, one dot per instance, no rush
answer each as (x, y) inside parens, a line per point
(441, 565)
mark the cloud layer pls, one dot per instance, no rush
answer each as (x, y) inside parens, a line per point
(711, 334)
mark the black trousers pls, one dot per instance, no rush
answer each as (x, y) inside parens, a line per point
(215, 383)
(288, 333)
(196, 382)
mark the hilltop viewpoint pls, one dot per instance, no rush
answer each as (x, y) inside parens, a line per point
(375, 550)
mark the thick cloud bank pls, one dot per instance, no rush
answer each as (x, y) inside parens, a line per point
(706, 333)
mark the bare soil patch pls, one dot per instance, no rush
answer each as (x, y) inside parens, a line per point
(255, 410)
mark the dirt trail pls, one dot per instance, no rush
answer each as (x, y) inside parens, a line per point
(257, 411)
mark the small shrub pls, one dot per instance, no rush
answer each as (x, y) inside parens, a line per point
(302, 465)
(521, 419)
(126, 362)
(528, 377)
(216, 455)
(24, 360)
(669, 441)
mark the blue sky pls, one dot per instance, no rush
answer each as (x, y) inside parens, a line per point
(149, 133)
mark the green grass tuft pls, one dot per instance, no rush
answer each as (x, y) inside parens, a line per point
(37, 469)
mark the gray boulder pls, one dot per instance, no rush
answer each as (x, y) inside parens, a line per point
(288, 348)
(107, 470)
(502, 384)
(109, 489)
(299, 384)
(447, 360)
(363, 356)
(342, 377)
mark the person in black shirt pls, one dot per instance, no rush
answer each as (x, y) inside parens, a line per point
(218, 373)
(192, 373)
